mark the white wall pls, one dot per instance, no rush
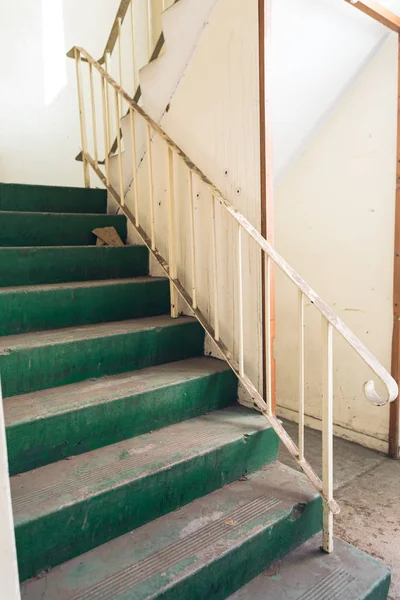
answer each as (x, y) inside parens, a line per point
(319, 48)
(39, 123)
(334, 214)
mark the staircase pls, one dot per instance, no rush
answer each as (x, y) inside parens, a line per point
(134, 473)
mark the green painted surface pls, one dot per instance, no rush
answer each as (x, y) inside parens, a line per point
(34, 266)
(34, 443)
(43, 198)
(33, 309)
(381, 589)
(55, 229)
(30, 368)
(75, 528)
(222, 577)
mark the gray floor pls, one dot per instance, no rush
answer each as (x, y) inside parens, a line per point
(368, 490)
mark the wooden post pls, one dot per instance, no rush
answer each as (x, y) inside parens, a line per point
(394, 424)
(267, 206)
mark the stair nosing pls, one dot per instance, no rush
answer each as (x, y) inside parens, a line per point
(43, 397)
(47, 337)
(59, 214)
(90, 284)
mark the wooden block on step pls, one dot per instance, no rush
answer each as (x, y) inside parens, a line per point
(108, 235)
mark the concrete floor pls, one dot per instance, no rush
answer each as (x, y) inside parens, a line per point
(368, 490)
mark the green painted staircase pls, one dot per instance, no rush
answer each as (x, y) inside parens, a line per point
(134, 473)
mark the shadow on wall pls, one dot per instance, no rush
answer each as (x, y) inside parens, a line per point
(319, 49)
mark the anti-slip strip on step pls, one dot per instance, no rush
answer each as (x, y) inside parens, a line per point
(148, 454)
(330, 587)
(166, 558)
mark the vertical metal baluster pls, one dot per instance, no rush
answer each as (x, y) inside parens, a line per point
(193, 240)
(82, 118)
(134, 164)
(268, 353)
(172, 237)
(109, 119)
(301, 375)
(215, 269)
(151, 186)
(120, 62)
(94, 124)
(133, 48)
(105, 128)
(121, 175)
(327, 432)
(240, 295)
(149, 29)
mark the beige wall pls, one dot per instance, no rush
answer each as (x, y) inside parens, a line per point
(334, 210)
(334, 223)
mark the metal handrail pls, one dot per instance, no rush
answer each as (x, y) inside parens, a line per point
(113, 39)
(330, 321)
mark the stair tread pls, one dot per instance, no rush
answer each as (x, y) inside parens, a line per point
(309, 574)
(68, 285)
(28, 197)
(23, 228)
(54, 401)
(47, 489)
(10, 343)
(157, 556)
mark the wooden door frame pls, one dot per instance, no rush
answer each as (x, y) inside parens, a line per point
(384, 16)
(266, 192)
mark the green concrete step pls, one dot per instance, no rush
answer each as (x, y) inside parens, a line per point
(46, 198)
(61, 264)
(206, 550)
(55, 229)
(64, 509)
(47, 426)
(34, 308)
(309, 574)
(45, 359)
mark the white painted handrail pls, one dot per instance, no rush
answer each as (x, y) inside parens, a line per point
(329, 320)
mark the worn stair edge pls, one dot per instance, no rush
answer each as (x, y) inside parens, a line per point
(207, 549)
(45, 359)
(44, 198)
(47, 426)
(309, 574)
(53, 306)
(55, 229)
(62, 264)
(64, 509)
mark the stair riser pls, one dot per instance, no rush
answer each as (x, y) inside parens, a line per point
(29, 369)
(221, 578)
(74, 529)
(47, 229)
(38, 198)
(37, 443)
(35, 266)
(26, 311)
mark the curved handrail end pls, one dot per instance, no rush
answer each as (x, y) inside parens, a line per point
(373, 396)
